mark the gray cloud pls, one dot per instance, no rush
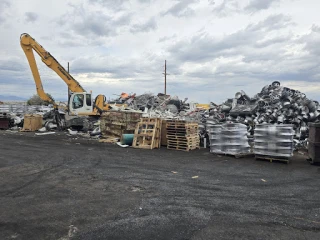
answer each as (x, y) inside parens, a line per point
(273, 22)
(166, 38)
(226, 8)
(12, 65)
(97, 24)
(124, 19)
(181, 8)
(93, 23)
(229, 7)
(249, 53)
(102, 64)
(31, 16)
(257, 5)
(315, 28)
(149, 25)
(272, 41)
(110, 4)
(145, 1)
(311, 41)
(204, 47)
(4, 5)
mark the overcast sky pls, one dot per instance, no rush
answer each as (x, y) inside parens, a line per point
(213, 48)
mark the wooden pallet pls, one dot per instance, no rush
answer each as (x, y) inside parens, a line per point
(182, 135)
(147, 134)
(186, 126)
(182, 128)
(236, 155)
(181, 125)
(272, 158)
(147, 120)
(182, 148)
(185, 137)
(183, 143)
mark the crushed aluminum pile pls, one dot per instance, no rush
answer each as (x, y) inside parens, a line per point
(273, 105)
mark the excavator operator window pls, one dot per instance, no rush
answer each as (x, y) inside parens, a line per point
(88, 99)
(77, 101)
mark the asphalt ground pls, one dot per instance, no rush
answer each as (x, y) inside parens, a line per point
(64, 187)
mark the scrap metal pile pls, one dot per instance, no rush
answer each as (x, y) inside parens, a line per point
(275, 104)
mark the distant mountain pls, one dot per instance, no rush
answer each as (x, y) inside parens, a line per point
(11, 98)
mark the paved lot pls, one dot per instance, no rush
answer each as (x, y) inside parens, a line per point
(58, 187)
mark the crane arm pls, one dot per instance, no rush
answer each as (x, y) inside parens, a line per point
(28, 44)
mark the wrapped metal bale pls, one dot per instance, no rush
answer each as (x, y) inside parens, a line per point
(229, 138)
(274, 140)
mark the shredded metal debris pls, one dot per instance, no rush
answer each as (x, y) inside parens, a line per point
(274, 104)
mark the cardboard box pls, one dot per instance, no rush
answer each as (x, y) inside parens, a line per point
(32, 122)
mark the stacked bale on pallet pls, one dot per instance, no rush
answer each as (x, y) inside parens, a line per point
(182, 135)
(147, 134)
(273, 141)
(229, 138)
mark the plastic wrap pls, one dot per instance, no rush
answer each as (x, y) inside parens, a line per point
(274, 140)
(229, 138)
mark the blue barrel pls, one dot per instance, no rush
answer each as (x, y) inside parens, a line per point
(127, 139)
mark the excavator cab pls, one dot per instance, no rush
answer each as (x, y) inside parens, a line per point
(80, 103)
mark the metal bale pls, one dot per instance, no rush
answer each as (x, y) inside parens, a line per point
(274, 140)
(229, 138)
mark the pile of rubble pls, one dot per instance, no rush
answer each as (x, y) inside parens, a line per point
(275, 104)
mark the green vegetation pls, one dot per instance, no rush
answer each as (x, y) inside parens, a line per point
(36, 100)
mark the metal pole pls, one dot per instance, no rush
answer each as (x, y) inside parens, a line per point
(165, 77)
(68, 92)
(67, 85)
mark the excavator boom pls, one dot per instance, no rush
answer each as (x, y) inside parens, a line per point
(29, 44)
(80, 102)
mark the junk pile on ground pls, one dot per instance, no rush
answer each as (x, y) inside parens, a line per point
(17, 114)
(273, 105)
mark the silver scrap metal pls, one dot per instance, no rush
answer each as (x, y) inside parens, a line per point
(274, 140)
(275, 104)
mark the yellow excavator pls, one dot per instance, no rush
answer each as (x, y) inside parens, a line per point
(80, 101)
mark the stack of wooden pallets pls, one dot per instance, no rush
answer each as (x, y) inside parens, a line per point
(182, 135)
(147, 134)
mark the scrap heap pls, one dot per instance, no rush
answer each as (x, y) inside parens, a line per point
(274, 104)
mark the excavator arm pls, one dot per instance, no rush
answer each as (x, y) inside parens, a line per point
(28, 44)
